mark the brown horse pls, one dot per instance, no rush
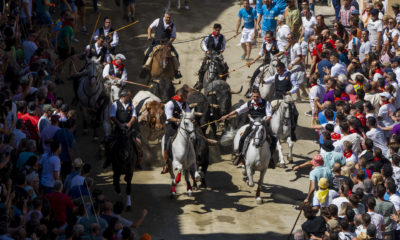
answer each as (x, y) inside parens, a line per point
(164, 63)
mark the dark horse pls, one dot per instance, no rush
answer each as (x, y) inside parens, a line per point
(122, 153)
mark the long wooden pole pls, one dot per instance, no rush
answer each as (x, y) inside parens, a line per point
(130, 24)
(94, 29)
(234, 70)
(294, 225)
(139, 84)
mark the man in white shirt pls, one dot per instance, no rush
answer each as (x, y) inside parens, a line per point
(115, 75)
(395, 64)
(282, 32)
(338, 68)
(316, 92)
(376, 219)
(385, 111)
(376, 135)
(79, 179)
(375, 29)
(354, 138)
(296, 65)
(112, 40)
(99, 51)
(365, 47)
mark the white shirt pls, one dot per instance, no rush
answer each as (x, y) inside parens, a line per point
(356, 43)
(308, 26)
(384, 113)
(338, 202)
(374, 28)
(355, 139)
(124, 77)
(392, 33)
(98, 50)
(337, 69)
(395, 199)
(378, 137)
(316, 91)
(377, 220)
(244, 108)
(113, 108)
(169, 109)
(281, 37)
(295, 52)
(115, 38)
(365, 48)
(331, 195)
(293, 80)
(216, 39)
(155, 23)
(397, 71)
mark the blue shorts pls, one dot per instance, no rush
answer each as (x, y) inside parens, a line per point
(44, 18)
(129, 2)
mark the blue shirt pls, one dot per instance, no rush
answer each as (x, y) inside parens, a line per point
(322, 118)
(248, 17)
(323, 63)
(268, 17)
(259, 5)
(66, 140)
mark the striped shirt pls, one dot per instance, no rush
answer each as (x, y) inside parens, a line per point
(345, 15)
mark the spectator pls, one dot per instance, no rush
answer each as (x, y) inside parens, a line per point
(51, 166)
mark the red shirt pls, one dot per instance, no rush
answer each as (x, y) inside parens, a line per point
(31, 126)
(319, 49)
(58, 204)
(27, 117)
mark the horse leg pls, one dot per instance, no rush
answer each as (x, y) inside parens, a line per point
(192, 174)
(260, 183)
(188, 185)
(128, 180)
(281, 159)
(250, 181)
(290, 143)
(116, 184)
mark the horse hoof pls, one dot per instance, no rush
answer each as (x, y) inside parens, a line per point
(250, 185)
(259, 200)
(281, 165)
(189, 193)
(128, 208)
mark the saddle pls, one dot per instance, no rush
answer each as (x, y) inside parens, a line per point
(169, 145)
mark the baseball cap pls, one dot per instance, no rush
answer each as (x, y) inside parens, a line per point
(385, 95)
(374, 11)
(355, 11)
(281, 18)
(47, 107)
(323, 183)
(120, 56)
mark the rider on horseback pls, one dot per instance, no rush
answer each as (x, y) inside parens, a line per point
(215, 42)
(173, 110)
(165, 33)
(257, 108)
(268, 48)
(115, 75)
(110, 39)
(99, 51)
(123, 115)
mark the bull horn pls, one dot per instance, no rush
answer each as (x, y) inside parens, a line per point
(176, 82)
(214, 105)
(198, 113)
(233, 92)
(192, 105)
(212, 93)
(156, 80)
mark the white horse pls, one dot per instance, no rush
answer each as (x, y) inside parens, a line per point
(281, 126)
(257, 155)
(92, 103)
(183, 153)
(264, 72)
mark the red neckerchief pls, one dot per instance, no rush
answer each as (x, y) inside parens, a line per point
(335, 136)
(376, 159)
(348, 154)
(337, 99)
(381, 89)
(272, 40)
(378, 70)
(384, 103)
(215, 35)
(177, 98)
(355, 131)
(67, 23)
(256, 104)
(120, 67)
(312, 85)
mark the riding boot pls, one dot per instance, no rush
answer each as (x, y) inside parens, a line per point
(165, 168)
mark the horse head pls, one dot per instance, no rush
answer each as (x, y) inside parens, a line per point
(165, 55)
(155, 115)
(259, 132)
(188, 124)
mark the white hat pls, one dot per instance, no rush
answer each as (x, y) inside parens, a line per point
(385, 95)
(342, 78)
(354, 76)
(120, 56)
(78, 162)
(281, 18)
